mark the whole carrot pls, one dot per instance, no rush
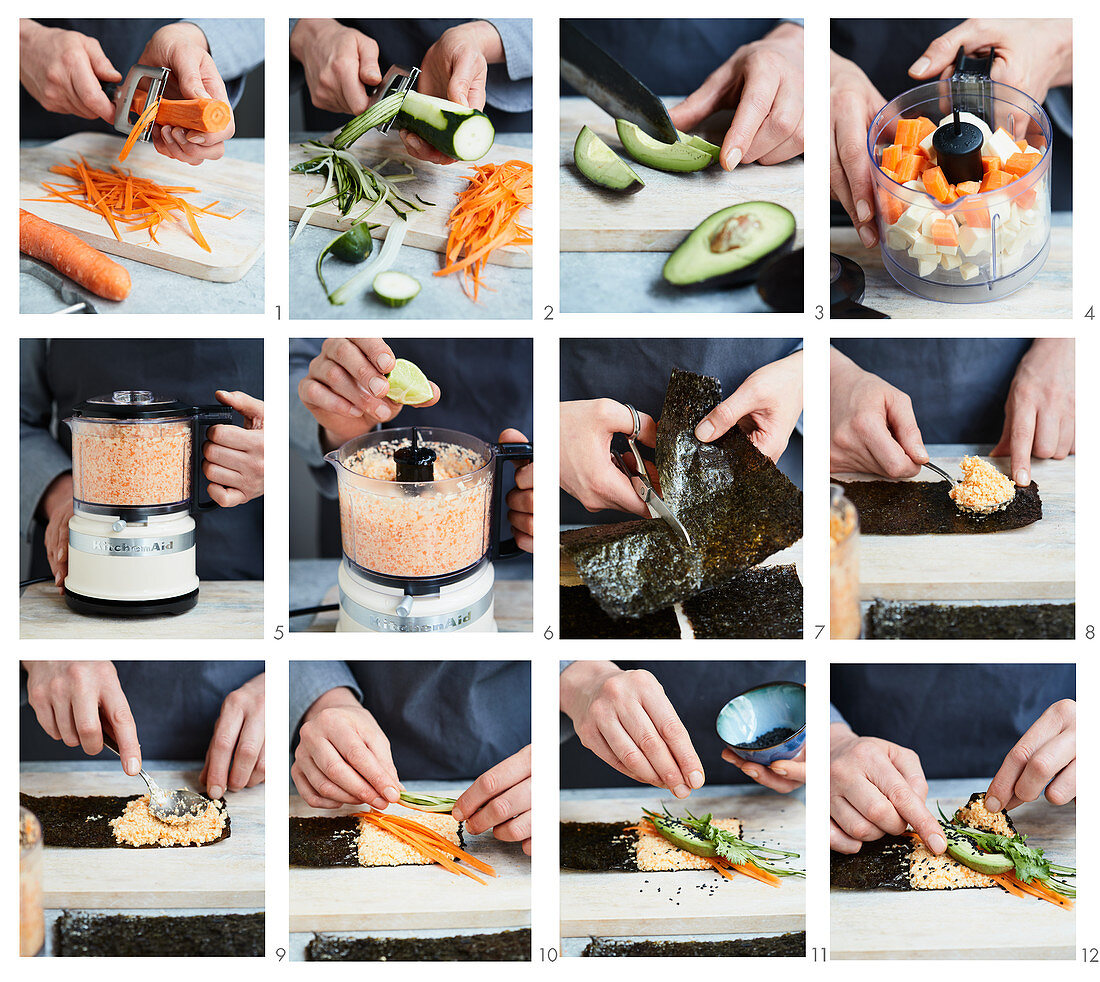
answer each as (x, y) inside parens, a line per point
(72, 257)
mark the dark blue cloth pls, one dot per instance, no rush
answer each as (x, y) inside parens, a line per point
(174, 703)
(230, 543)
(697, 690)
(961, 720)
(958, 385)
(637, 370)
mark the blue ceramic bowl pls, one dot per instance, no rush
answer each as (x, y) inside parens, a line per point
(753, 714)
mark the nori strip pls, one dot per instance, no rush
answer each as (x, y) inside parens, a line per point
(762, 602)
(327, 842)
(923, 508)
(504, 946)
(890, 620)
(735, 503)
(582, 617)
(792, 945)
(879, 865)
(84, 821)
(80, 934)
(597, 847)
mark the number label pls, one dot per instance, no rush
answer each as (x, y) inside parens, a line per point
(820, 954)
(548, 954)
(549, 313)
(1090, 956)
(548, 633)
(279, 632)
(280, 953)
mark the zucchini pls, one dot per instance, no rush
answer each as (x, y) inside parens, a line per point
(395, 289)
(458, 132)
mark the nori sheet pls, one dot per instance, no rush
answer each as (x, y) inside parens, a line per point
(792, 945)
(762, 602)
(892, 621)
(84, 821)
(734, 502)
(597, 847)
(924, 508)
(582, 617)
(80, 934)
(328, 841)
(504, 946)
(879, 865)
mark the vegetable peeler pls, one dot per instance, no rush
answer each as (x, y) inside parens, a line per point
(397, 81)
(123, 95)
(647, 492)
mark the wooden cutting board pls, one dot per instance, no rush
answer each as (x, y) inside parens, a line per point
(973, 924)
(394, 898)
(657, 218)
(1032, 563)
(226, 875)
(235, 184)
(437, 183)
(660, 904)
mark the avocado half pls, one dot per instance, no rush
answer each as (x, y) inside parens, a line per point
(732, 246)
(677, 157)
(602, 166)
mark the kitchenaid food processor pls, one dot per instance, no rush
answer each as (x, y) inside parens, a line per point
(136, 471)
(419, 520)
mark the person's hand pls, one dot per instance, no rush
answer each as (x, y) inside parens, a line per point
(57, 509)
(625, 719)
(346, 388)
(183, 48)
(75, 701)
(762, 83)
(63, 71)
(234, 455)
(587, 471)
(854, 102)
(872, 426)
(1033, 55)
(343, 757)
(876, 788)
(783, 776)
(456, 68)
(1045, 757)
(235, 757)
(521, 499)
(767, 405)
(340, 64)
(500, 800)
(1039, 411)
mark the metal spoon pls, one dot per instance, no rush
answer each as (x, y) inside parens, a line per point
(942, 473)
(172, 807)
(964, 508)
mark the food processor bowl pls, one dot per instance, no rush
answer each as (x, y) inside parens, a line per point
(1007, 235)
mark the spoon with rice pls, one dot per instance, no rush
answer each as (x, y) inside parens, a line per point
(171, 807)
(983, 489)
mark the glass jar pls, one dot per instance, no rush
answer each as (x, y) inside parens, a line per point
(32, 923)
(845, 622)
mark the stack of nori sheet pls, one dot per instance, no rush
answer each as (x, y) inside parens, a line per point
(84, 821)
(890, 620)
(791, 945)
(80, 934)
(734, 502)
(924, 508)
(505, 946)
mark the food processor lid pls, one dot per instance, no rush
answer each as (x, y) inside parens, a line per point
(133, 404)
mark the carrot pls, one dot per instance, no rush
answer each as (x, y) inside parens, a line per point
(1014, 885)
(944, 233)
(990, 163)
(73, 257)
(429, 843)
(996, 179)
(908, 133)
(148, 116)
(203, 115)
(911, 167)
(936, 184)
(1020, 163)
(891, 157)
(968, 187)
(720, 865)
(756, 873)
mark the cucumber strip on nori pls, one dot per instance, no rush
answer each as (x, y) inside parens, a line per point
(879, 865)
(923, 508)
(597, 847)
(582, 617)
(328, 841)
(792, 945)
(891, 620)
(762, 602)
(80, 934)
(84, 821)
(504, 946)
(734, 502)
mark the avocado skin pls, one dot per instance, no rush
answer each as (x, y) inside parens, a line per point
(733, 271)
(602, 175)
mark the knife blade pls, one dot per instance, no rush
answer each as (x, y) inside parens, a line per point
(595, 74)
(78, 303)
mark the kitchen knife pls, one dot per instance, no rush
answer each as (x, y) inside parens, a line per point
(595, 74)
(78, 302)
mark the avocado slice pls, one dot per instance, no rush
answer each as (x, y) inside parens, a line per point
(602, 166)
(732, 245)
(700, 144)
(964, 851)
(678, 157)
(684, 837)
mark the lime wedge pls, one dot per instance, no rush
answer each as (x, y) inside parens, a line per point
(409, 386)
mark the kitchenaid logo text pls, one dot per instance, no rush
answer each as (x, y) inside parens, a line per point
(121, 547)
(452, 623)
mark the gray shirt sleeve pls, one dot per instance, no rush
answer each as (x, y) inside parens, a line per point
(509, 85)
(236, 45)
(41, 457)
(309, 680)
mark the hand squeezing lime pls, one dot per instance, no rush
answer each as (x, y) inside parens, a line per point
(409, 386)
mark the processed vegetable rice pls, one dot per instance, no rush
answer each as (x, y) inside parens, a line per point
(132, 465)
